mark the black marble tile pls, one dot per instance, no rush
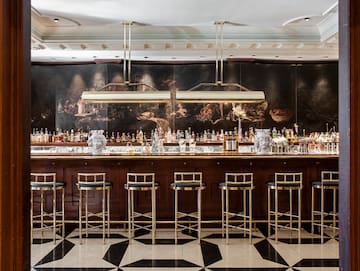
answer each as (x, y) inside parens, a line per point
(69, 228)
(38, 241)
(57, 253)
(100, 236)
(231, 235)
(147, 263)
(268, 252)
(164, 241)
(249, 269)
(141, 232)
(263, 228)
(210, 252)
(303, 240)
(116, 252)
(318, 263)
(72, 269)
(190, 233)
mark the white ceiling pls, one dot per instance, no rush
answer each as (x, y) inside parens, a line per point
(183, 29)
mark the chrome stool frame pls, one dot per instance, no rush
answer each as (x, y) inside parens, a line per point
(329, 182)
(237, 182)
(44, 182)
(141, 182)
(285, 182)
(187, 181)
(94, 182)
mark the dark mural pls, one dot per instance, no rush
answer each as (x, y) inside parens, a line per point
(306, 94)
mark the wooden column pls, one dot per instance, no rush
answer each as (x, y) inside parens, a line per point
(14, 134)
(349, 120)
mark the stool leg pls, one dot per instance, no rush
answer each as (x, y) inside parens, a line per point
(250, 215)
(276, 215)
(199, 214)
(80, 216)
(322, 215)
(103, 213)
(269, 209)
(132, 195)
(54, 215)
(86, 213)
(312, 209)
(129, 215)
(334, 211)
(299, 213)
(31, 215)
(153, 214)
(176, 214)
(222, 213)
(244, 211)
(42, 212)
(227, 215)
(63, 212)
(290, 208)
(108, 212)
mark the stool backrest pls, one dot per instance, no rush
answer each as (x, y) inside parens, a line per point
(93, 178)
(330, 176)
(188, 177)
(288, 177)
(133, 178)
(45, 178)
(235, 178)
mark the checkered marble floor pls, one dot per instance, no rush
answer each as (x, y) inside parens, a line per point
(210, 253)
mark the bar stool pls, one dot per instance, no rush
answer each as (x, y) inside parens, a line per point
(94, 182)
(141, 182)
(291, 182)
(188, 181)
(237, 182)
(329, 182)
(46, 182)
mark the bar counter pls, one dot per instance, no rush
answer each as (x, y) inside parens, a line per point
(213, 166)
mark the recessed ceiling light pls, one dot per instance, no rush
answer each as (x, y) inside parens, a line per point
(231, 55)
(276, 56)
(94, 56)
(173, 57)
(253, 55)
(299, 56)
(56, 20)
(202, 56)
(325, 57)
(146, 57)
(306, 19)
(117, 56)
(73, 57)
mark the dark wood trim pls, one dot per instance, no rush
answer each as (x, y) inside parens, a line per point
(349, 113)
(14, 131)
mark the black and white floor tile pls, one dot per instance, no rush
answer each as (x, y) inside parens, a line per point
(212, 253)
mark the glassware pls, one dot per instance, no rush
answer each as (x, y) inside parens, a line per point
(97, 141)
(262, 141)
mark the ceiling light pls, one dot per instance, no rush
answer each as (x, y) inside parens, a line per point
(306, 19)
(56, 20)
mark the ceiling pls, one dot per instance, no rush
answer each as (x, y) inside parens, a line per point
(182, 30)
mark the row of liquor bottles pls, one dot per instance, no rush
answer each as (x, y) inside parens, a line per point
(170, 136)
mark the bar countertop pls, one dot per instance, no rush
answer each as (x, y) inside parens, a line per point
(223, 155)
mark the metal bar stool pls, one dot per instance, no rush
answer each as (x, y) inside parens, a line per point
(285, 182)
(329, 182)
(237, 182)
(188, 181)
(46, 182)
(141, 182)
(94, 182)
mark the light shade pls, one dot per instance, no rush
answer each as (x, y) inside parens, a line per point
(164, 96)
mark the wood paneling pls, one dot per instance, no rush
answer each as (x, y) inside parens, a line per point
(14, 131)
(213, 173)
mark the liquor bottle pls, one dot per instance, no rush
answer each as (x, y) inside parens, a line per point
(112, 138)
(118, 138)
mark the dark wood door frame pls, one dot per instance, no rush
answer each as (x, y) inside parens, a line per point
(349, 116)
(15, 124)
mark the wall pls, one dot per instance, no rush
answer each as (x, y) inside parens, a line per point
(305, 93)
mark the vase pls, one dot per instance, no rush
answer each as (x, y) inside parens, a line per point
(97, 141)
(262, 141)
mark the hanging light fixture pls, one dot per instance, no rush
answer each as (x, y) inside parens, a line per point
(128, 93)
(220, 91)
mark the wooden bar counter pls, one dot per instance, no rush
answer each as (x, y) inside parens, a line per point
(213, 166)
